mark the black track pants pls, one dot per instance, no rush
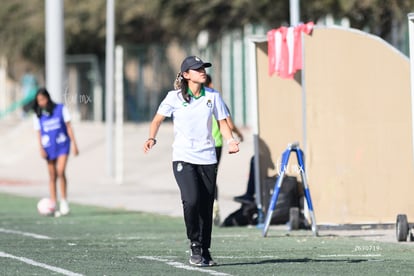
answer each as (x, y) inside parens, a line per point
(197, 185)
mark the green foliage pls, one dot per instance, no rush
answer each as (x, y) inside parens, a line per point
(161, 21)
(186, 18)
(139, 22)
(22, 29)
(85, 26)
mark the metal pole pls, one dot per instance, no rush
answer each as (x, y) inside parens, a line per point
(55, 55)
(304, 112)
(255, 128)
(411, 43)
(119, 114)
(304, 103)
(109, 83)
(4, 99)
(294, 12)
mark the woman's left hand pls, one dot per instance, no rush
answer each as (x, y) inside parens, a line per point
(233, 146)
(75, 150)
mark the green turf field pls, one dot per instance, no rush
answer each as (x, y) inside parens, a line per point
(98, 241)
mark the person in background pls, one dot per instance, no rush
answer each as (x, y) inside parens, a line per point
(29, 87)
(55, 135)
(194, 158)
(218, 139)
(249, 196)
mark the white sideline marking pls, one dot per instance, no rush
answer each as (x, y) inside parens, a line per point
(183, 266)
(36, 236)
(350, 255)
(248, 257)
(45, 266)
(230, 236)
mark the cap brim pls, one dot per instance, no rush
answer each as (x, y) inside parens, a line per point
(204, 65)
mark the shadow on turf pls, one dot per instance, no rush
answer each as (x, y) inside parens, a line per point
(303, 260)
(306, 235)
(104, 212)
(353, 236)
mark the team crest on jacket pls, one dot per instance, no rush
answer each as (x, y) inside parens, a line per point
(209, 104)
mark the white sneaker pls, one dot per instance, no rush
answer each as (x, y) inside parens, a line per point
(64, 207)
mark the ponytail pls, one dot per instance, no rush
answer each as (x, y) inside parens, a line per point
(181, 83)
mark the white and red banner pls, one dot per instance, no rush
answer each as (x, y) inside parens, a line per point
(285, 49)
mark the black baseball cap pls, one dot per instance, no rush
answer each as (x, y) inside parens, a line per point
(193, 62)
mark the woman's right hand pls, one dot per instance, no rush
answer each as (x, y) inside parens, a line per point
(43, 153)
(155, 125)
(148, 145)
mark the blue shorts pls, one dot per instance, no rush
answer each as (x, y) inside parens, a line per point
(54, 152)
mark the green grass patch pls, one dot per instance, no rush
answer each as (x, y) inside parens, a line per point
(101, 241)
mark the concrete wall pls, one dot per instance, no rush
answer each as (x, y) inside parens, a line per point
(359, 154)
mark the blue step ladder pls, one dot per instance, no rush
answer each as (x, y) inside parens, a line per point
(285, 158)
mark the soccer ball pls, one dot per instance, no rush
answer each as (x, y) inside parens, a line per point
(46, 207)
